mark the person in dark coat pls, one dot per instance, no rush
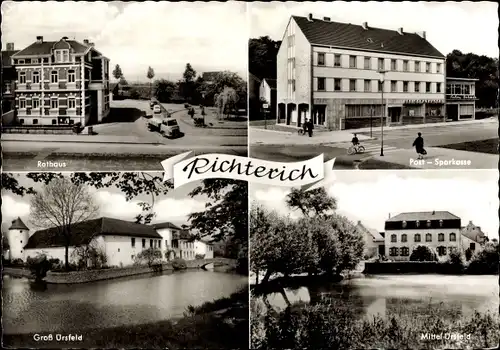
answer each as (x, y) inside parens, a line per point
(419, 146)
(310, 127)
(304, 126)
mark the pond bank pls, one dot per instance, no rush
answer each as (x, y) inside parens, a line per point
(220, 324)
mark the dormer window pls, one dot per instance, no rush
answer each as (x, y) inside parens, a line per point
(404, 224)
(428, 223)
(417, 223)
(440, 223)
(61, 56)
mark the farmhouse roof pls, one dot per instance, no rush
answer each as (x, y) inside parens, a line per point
(45, 47)
(83, 232)
(166, 225)
(347, 35)
(423, 216)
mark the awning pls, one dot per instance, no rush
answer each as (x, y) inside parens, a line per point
(418, 102)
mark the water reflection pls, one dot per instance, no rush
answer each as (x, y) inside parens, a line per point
(450, 296)
(29, 308)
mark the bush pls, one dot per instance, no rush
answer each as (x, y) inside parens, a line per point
(179, 264)
(198, 122)
(199, 256)
(150, 256)
(186, 105)
(17, 262)
(39, 266)
(468, 254)
(423, 253)
(485, 261)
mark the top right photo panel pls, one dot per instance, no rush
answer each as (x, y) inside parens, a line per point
(376, 85)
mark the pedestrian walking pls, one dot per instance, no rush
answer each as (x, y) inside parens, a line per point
(419, 146)
(310, 127)
(191, 112)
(304, 126)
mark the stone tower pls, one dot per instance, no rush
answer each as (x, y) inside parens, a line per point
(17, 237)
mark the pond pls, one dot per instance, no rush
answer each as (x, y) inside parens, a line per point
(384, 295)
(28, 308)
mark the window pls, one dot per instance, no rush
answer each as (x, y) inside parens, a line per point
(451, 249)
(428, 223)
(362, 110)
(35, 79)
(54, 103)
(159, 244)
(22, 77)
(352, 84)
(417, 86)
(54, 122)
(453, 237)
(21, 121)
(71, 76)
(417, 223)
(118, 250)
(438, 87)
(393, 64)
(441, 237)
(166, 243)
(321, 84)
(22, 103)
(380, 85)
(337, 84)
(368, 63)
(417, 66)
(405, 251)
(293, 85)
(336, 62)
(405, 65)
(472, 246)
(54, 77)
(440, 223)
(428, 237)
(441, 251)
(381, 64)
(404, 224)
(150, 243)
(427, 67)
(35, 102)
(321, 59)
(393, 238)
(132, 257)
(405, 86)
(393, 86)
(34, 60)
(352, 61)
(132, 241)
(427, 87)
(404, 238)
(417, 237)
(35, 121)
(438, 68)
(20, 61)
(71, 102)
(61, 56)
(367, 85)
(143, 243)
(393, 251)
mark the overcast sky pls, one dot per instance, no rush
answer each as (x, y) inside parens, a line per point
(369, 196)
(175, 207)
(212, 36)
(466, 26)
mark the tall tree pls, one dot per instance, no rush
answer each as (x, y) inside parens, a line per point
(186, 86)
(117, 72)
(150, 74)
(315, 202)
(164, 90)
(262, 54)
(62, 204)
(189, 73)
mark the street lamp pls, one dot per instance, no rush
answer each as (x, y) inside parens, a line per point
(382, 78)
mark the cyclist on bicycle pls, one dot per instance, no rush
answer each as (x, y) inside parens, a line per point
(355, 141)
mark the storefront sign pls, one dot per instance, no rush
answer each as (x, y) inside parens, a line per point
(418, 102)
(462, 97)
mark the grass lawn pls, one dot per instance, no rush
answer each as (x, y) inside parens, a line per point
(221, 324)
(482, 146)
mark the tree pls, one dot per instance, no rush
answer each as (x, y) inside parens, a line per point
(315, 202)
(226, 102)
(123, 81)
(189, 73)
(423, 253)
(150, 256)
(164, 90)
(262, 54)
(150, 74)
(62, 204)
(117, 72)
(90, 255)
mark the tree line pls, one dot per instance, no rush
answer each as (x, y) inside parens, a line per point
(192, 88)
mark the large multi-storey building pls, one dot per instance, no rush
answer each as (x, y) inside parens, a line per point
(330, 72)
(8, 85)
(61, 83)
(460, 98)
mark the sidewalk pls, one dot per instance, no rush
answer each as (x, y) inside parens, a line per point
(441, 158)
(275, 138)
(77, 138)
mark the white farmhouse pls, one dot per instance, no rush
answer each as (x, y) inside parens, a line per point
(330, 72)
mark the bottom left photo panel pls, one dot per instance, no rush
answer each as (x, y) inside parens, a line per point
(123, 260)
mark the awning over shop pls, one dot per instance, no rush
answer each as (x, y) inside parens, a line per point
(419, 102)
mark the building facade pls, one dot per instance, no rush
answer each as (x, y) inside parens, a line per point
(267, 92)
(437, 230)
(374, 241)
(329, 72)
(460, 98)
(61, 82)
(9, 77)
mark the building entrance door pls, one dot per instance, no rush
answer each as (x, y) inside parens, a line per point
(452, 112)
(395, 114)
(381, 249)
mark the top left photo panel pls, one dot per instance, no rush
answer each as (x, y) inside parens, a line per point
(121, 86)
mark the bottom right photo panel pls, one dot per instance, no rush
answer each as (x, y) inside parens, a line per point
(377, 259)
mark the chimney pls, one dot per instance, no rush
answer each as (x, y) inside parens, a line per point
(433, 212)
(310, 17)
(359, 222)
(389, 215)
(91, 44)
(39, 39)
(10, 46)
(64, 38)
(470, 222)
(327, 19)
(400, 31)
(86, 41)
(365, 25)
(422, 35)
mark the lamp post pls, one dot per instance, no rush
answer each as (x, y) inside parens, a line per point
(371, 120)
(382, 78)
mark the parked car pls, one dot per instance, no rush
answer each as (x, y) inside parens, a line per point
(156, 109)
(170, 128)
(154, 124)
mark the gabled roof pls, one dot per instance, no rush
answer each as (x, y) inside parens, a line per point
(423, 216)
(166, 225)
(374, 233)
(18, 224)
(45, 47)
(271, 83)
(351, 36)
(83, 232)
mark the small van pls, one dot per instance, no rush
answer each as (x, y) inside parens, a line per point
(170, 128)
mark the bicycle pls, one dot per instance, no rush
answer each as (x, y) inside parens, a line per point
(355, 149)
(301, 132)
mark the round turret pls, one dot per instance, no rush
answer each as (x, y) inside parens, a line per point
(17, 237)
